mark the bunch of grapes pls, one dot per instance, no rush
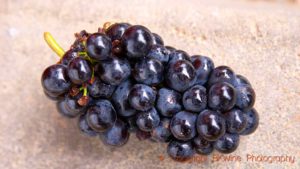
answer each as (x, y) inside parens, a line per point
(122, 80)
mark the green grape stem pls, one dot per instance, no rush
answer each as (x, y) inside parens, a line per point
(53, 44)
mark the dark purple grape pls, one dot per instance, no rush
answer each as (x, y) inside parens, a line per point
(228, 143)
(63, 109)
(137, 41)
(168, 102)
(157, 39)
(180, 75)
(148, 71)
(202, 146)
(195, 99)
(141, 97)
(180, 151)
(55, 80)
(102, 116)
(93, 101)
(114, 71)
(176, 55)
(210, 125)
(235, 121)
(131, 121)
(79, 70)
(54, 96)
(162, 132)
(68, 56)
(85, 128)
(241, 81)
(170, 48)
(118, 135)
(99, 89)
(221, 74)
(252, 122)
(160, 53)
(116, 31)
(120, 99)
(221, 96)
(183, 125)
(245, 97)
(142, 135)
(98, 46)
(203, 66)
(148, 120)
(72, 105)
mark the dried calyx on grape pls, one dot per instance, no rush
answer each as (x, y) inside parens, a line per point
(122, 79)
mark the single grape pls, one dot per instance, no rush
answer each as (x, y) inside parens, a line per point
(137, 41)
(85, 128)
(99, 89)
(68, 56)
(202, 146)
(195, 98)
(180, 151)
(180, 75)
(148, 120)
(102, 116)
(116, 31)
(168, 102)
(183, 125)
(252, 118)
(176, 55)
(148, 71)
(62, 108)
(131, 121)
(241, 81)
(98, 46)
(55, 80)
(170, 48)
(221, 74)
(162, 132)
(228, 143)
(79, 70)
(245, 97)
(221, 96)
(157, 39)
(94, 101)
(236, 121)
(160, 53)
(210, 125)
(203, 66)
(54, 96)
(120, 99)
(117, 135)
(142, 97)
(72, 104)
(114, 70)
(142, 135)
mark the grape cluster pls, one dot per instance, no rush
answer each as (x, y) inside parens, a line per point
(123, 80)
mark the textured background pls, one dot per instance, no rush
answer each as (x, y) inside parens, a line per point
(260, 40)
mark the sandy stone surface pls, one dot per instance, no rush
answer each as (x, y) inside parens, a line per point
(260, 40)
